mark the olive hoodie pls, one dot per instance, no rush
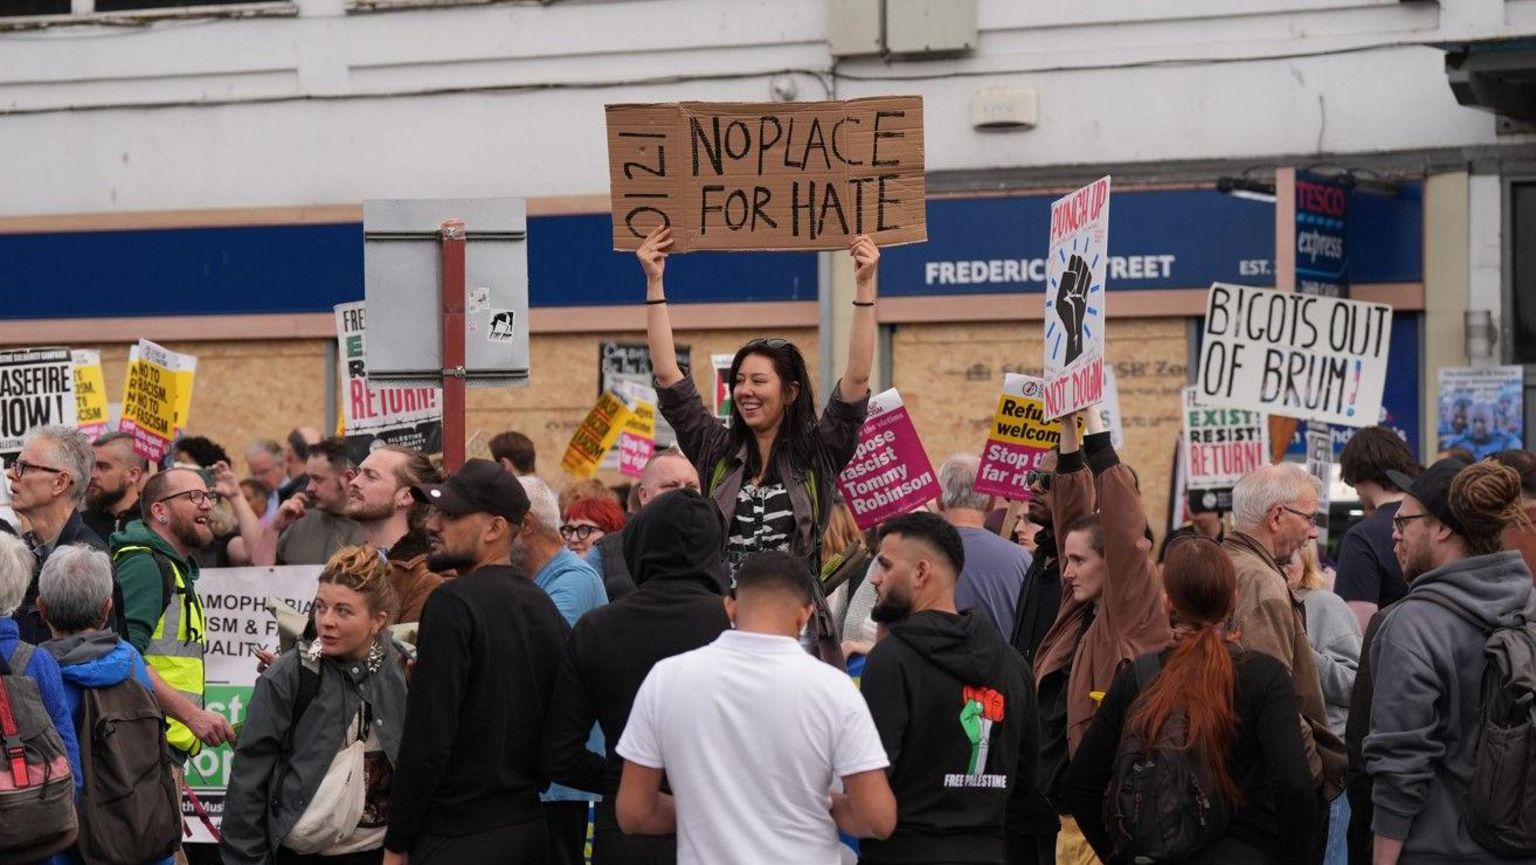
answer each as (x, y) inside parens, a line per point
(139, 576)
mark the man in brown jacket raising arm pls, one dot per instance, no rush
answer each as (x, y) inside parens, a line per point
(1272, 508)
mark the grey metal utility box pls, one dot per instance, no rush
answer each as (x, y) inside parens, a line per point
(402, 267)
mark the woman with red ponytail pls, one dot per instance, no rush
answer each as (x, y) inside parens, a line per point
(1237, 710)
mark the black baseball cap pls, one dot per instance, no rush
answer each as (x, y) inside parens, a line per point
(480, 486)
(1432, 489)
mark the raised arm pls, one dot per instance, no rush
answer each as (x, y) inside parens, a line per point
(861, 336)
(658, 322)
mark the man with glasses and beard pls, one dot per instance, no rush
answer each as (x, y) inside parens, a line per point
(112, 499)
(467, 777)
(951, 700)
(158, 575)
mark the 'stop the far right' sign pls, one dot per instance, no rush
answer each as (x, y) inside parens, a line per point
(1295, 355)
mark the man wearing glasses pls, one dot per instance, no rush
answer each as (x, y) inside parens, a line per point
(153, 558)
(48, 480)
(1273, 512)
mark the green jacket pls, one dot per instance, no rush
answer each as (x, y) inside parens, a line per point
(139, 575)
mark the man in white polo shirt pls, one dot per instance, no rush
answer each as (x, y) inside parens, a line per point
(753, 734)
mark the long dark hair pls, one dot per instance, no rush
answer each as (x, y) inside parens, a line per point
(1199, 678)
(796, 438)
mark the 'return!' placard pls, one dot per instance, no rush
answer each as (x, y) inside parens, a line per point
(890, 473)
(1221, 444)
(772, 175)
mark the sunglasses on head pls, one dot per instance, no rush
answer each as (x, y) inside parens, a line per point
(769, 342)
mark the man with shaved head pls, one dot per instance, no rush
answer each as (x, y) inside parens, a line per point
(667, 470)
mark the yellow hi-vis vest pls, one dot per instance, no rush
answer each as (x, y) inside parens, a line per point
(175, 650)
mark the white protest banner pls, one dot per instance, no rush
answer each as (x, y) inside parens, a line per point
(1320, 466)
(1482, 408)
(92, 413)
(150, 399)
(1295, 355)
(890, 473)
(237, 624)
(1074, 300)
(37, 388)
(1221, 444)
(372, 416)
(1019, 437)
(1109, 409)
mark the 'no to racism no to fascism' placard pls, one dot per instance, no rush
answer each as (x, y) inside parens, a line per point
(795, 175)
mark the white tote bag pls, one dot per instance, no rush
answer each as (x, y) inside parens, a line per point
(337, 807)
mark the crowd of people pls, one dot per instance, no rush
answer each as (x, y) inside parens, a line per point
(722, 668)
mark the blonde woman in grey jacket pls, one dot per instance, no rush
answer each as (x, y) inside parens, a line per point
(311, 713)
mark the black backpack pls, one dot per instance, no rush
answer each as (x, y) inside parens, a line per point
(1501, 798)
(1162, 803)
(130, 809)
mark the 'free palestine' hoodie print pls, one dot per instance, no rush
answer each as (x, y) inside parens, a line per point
(956, 713)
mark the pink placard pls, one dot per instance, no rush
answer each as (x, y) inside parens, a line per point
(890, 473)
(634, 452)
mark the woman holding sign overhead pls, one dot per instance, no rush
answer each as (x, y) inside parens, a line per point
(1111, 604)
(771, 470)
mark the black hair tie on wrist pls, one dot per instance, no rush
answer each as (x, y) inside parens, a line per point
(655, 302)
(863, 303)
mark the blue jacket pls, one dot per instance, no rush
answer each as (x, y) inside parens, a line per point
(576, 589)
(44, 670)
(97, 659)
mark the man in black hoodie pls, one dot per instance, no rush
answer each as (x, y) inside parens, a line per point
(1030, 828)
(673, 548)
(951, 700)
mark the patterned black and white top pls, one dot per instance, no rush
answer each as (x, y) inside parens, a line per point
(764, 520)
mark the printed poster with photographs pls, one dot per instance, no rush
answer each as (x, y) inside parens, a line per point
(1481, 409)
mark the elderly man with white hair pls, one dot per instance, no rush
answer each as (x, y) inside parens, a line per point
(1273, 512)
(994, 567)
(22, 657)
(48, 482)
(539, 553)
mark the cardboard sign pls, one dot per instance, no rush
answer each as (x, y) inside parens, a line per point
(597, 433)
(773, 175)
(1320, 466)
(1482, 409)
(722, 365)
(409, 417)
(37, 389)
(238, 623)
(92, 413)
(1020, 435)
(1295, 355)
(1221, 444)
(1074, 299)
(150, 399)
(890, 473)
